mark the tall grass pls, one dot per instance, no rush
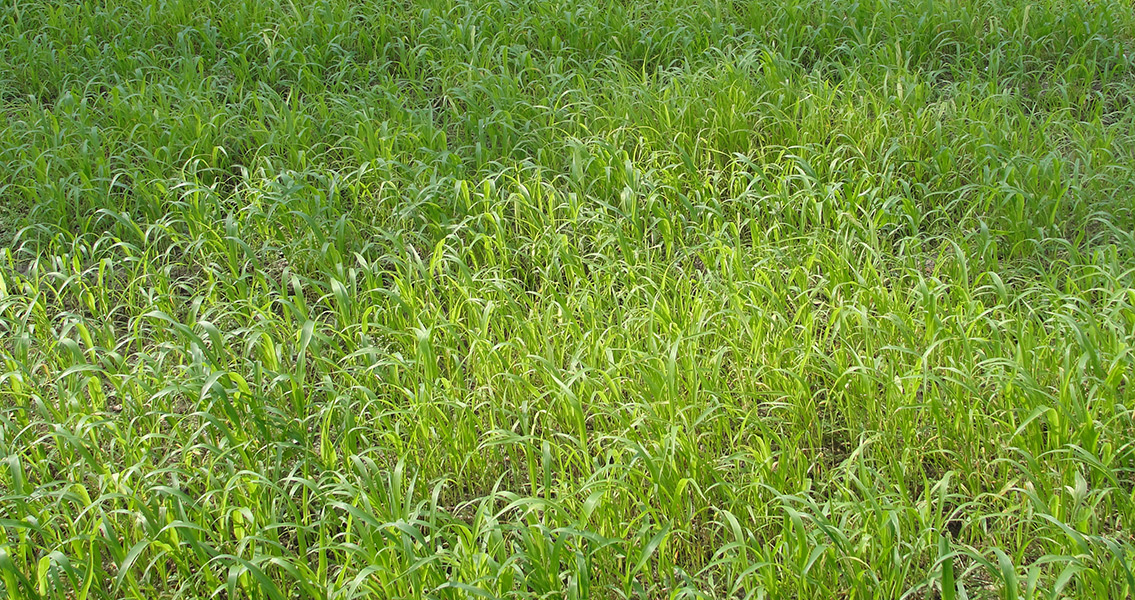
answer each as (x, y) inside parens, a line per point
(519, 299)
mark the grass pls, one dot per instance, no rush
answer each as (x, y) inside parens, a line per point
(519, 299)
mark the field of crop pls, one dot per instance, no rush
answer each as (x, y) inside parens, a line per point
(598, 299)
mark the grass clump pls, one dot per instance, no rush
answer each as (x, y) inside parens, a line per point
(516, 299)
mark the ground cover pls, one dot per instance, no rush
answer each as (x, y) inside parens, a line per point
(521, 298)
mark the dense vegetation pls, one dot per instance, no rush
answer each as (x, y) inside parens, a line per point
(524, 298)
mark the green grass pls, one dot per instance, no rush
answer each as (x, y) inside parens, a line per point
(521, 298)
